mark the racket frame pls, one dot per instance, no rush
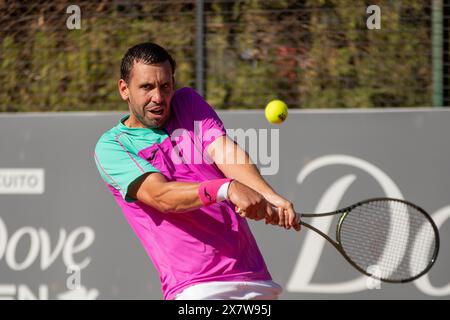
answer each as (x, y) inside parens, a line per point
(344, 213)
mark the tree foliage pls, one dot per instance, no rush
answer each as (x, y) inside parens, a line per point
(310, 53)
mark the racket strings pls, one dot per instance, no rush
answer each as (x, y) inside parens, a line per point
(364, 247)
(372, 241)
(398, 242)
(388, 239)
(392, 253)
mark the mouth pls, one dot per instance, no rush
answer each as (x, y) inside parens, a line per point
(158, 111)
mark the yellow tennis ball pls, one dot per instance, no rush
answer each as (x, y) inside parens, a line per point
(276, 111)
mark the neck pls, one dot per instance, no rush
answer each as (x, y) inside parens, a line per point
(132, 122)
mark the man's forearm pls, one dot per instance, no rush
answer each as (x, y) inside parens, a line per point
(171, 196)
(179, 197)
(249, 175)
(235, 163)
(165, 196)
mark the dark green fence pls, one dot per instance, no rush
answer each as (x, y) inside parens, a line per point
(312, 54)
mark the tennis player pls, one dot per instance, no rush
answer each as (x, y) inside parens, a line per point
(176, 176)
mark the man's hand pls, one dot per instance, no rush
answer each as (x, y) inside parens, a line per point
(282, 213)
(249, 203)
(252, 205)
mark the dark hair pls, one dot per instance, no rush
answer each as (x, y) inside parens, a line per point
(148, 53)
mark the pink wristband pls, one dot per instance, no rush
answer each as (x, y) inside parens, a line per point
(207, 191)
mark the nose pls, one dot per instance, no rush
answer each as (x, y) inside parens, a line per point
(157, 96)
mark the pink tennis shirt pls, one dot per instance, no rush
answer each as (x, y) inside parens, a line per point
(208, 244)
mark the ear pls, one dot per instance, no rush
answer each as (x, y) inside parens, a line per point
(123, 90)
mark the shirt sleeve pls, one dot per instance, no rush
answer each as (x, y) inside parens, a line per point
(118, 166)
(211, 125)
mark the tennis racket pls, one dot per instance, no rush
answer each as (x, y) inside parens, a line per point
(391, 240)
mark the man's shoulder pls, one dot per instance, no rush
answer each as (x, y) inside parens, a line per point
(184, 92)
(107, 141)
(117, 141)
(108, 135)
(185, 95)
(189, 103)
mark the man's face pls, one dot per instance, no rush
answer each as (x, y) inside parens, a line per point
(149, 92)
